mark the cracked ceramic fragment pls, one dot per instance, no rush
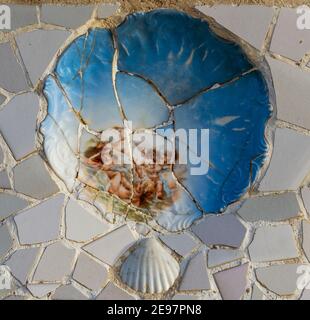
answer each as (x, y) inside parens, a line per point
(6, 240)
(220, 230)
(149, 268)
(284, 75)
(237, 143)
(114, 244)
(217, 257)
(22, 109)
(4, 180)
(306, 238)
(281, 279)
(90, 273)
(182, 243)
(290, 162)
(198, 55)
(32, 178)
(243, 20)
(81, 225)
(21, 263)
(41, 290)
(256, 293)
(288, 39)
(112, 292)
(273, 243)
(40, 223)
(133, 93)
(271, 208)
(232, 282)
(55, 263)
(196, 276)
(66, 16)
(36, 60)
(85, 72)
(305, 193)
(68, 292)
(15, 80)
(22, 15)
(10, 204)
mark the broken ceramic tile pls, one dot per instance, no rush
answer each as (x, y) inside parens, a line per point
(41, 290)
(21, 263)
(272, 243)
(287, 95)
(36, 60)
(220, 230)
(306, 238)
(182, 243)
(217, 257)
(114, 244)
(40, 223)
(243, 20)
(90, 273)
(256, 293)
(281, 279)
(185, 297)
(69, 292)
(15, 80)
(22, 15)
(133, 93)
(157, 269)
(32, 178)
(232, 282)
(271, 208)
(66, 16)
(6, 240)
(4, 181)
(55, 263)
(237, 143)
(22, 110)
(305, 192)
(11, 204)
(112, 292)
(198, 55)
(290, 161)
(288, 39)
(196, 276)
(81, 225)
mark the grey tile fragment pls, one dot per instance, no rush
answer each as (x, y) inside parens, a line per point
(217, 257)
(185, 297)
(256, 293)
(10, 204)
(4, 180)
(183, 243)
(6, 241)
(305, 193)
(112, 292)
(306, 238)
(220, 230)
(232, 282)
(40, 223)
(32, 178)
(56, 263)
(41, 290)
(68, 292)
(22, 15)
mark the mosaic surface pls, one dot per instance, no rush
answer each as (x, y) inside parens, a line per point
(75, 226)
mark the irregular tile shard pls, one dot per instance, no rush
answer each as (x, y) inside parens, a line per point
(6, 240)
(305, 192)
(220, 230)
(90, 273)
(290, 161)
(40, 223)
(36, 60)
(109, 247)
(10, 204)
(243, 20)
(256, 293)
(55, 263)
(41, 290)
(4, 180)
(15, 79)
(217, 257)
(68, 292)
(22, 15)
(22, 110)
(232, 282)
(81, 226)
(196, 276)
(281, 279)
(32, 178)
(273, 243)
(185, 297)
(182, 243)
(22, 262)
(306, 238)
(271, 208)
(112, 292)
